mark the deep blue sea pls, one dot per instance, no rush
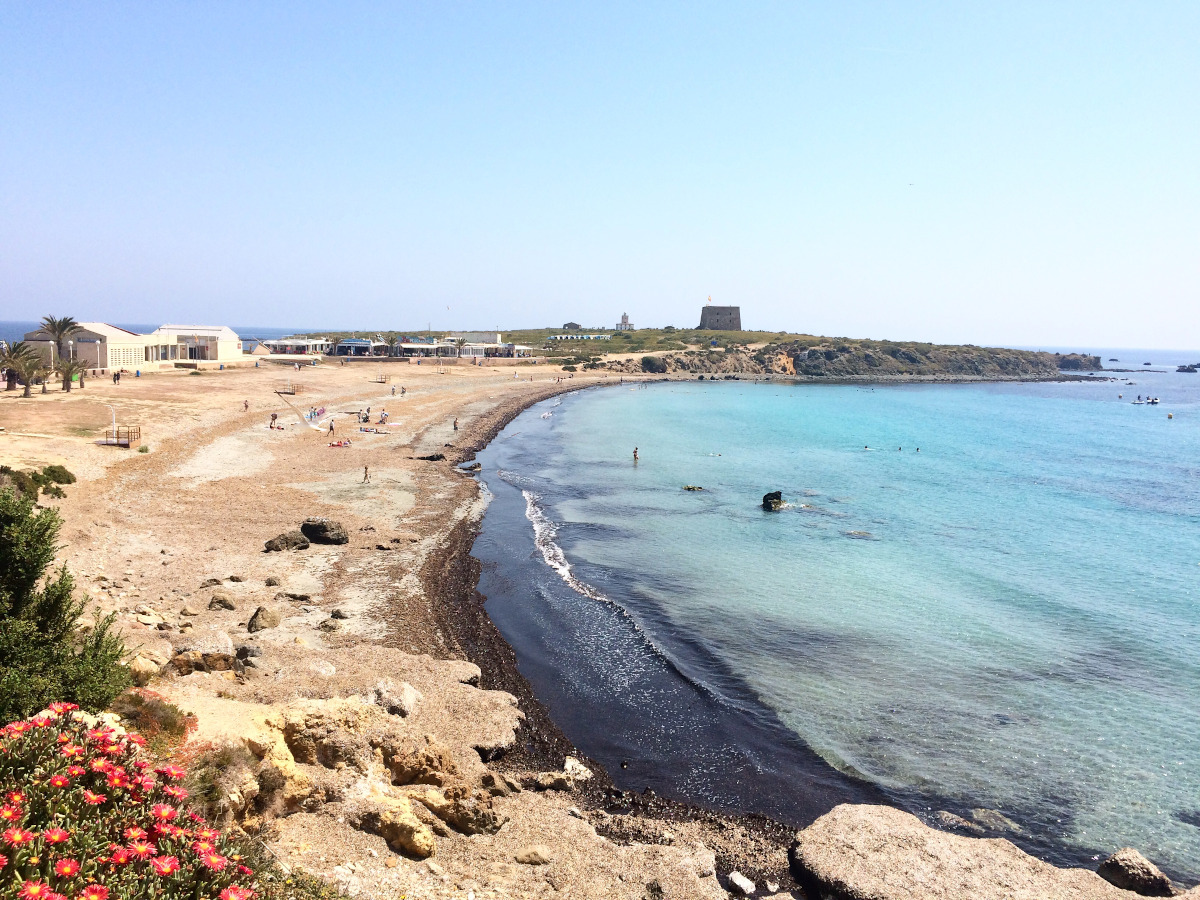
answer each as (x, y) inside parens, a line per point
(1008, 619)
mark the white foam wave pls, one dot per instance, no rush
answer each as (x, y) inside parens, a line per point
(544, 534)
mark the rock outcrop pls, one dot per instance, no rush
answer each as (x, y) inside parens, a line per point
(1130, 870)
(320, 530)
(861, 852)
(773, 501)
(289, 540)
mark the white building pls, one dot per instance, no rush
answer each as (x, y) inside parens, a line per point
(625, 324)
(104, 346)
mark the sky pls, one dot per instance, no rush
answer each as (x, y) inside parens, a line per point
(992, 173)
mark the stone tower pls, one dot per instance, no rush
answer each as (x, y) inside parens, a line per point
(720, 318)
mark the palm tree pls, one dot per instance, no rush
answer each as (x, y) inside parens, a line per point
(68, 369)
(460, 343)
(22, 362)
(60, 330)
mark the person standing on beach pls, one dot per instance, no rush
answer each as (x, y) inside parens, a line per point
(331, 427)
(245, 406)
(393, 390)
(366, 475)
(456, 423)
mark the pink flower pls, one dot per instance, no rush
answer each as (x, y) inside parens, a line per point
(120, 856)
(175, 793)
(165, 865)
(173, 772)
(35, 890)
(42, 721)
(135, 834)
(16, 798)
(76, 771)
(59, 781)
(3, 861)
(60, 707)
(94, 892)
(142, 849)
(236, 892)
(163, 812)
(213, 861)
(136, 739)
(92, 798)
(56, 835)
(10, 814)
(71, 751)
(66, 868)
(16, 837)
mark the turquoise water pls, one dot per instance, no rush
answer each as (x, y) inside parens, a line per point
(1008, 618)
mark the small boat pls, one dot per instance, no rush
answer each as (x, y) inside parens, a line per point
(1138, 402)
(1147, 364)
(1190, 370)
(1153, 402)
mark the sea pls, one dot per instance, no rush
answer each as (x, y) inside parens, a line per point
(978, 597)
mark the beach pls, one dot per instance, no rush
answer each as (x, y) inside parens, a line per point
(143, 532)
(382, 732)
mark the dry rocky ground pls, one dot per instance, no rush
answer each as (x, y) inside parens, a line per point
(338, 712)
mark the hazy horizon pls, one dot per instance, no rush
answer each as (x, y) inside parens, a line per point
(1020, 175)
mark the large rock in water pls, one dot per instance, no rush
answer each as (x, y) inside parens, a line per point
(324, 531)
(861, 852)
(773, 501)
(1130, 870)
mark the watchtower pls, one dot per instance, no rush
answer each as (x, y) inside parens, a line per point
(720, 318)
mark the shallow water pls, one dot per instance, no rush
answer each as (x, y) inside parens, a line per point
(1007, 619)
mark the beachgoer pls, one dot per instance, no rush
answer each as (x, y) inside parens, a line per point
(393, 390)
(274, 416)
(331, 426)
(366, 475)
(456, 424)
(635, 456)
(403, 391)
(245, 406)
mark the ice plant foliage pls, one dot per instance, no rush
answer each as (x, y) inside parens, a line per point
(82, 817)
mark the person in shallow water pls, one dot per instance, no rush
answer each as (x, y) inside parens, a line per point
(635, 456)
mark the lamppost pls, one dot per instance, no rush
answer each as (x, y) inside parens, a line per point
(114, 415)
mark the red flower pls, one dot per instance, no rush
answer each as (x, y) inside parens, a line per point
(92, 798)
(117, 781)
(94, 892)
(60, 707)
(42, 721)
(135, 834)
(35, 890)
(236, 892)
(56, 835)
(165, 865)
(59, 781)
(136, 739)
(202, 847)
(173, 772)
(64, 738)
(10, 814)
(163, 812)
(3, 861)
(15, 837)
(66, 868)
(214, 861)
(142, 849)
(16, 798)
(176, 793)
(207, 834)
(245, 870)
(101, 765)
(99, 734)
(71, 751)
(76, 771)
(120, 856)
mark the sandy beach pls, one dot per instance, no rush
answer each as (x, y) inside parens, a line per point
(380, 732)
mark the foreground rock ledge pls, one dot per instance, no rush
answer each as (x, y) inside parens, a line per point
(861, 852)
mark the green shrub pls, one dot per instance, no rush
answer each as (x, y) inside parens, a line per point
(570, 368)
(145, 448)
(43, 655)
(58, 475)
(654, 364)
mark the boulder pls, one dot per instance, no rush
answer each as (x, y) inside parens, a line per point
(189, 661)
(189, 611)
(271, 581)
(576, 770)
(206, 641)
(773, 501)
(741, 884)
(399, 701)
(141, 670)
(221, 600)
(394, 821)
(289, 540)
(856, 852)
(1131, 871)
(320, 530)
(264, 617)
(339, 614)
(209, 582)
(535, 855)
(298, 596)
(236, 578)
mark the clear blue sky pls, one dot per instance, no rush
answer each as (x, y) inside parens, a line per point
(998, 173)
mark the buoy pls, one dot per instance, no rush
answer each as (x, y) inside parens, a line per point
(1170, 415)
